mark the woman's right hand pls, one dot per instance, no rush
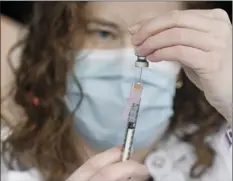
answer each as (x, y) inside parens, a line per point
(107, 166)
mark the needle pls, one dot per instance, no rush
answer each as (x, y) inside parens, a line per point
(140, 75)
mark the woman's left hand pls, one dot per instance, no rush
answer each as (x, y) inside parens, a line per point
(201, 40)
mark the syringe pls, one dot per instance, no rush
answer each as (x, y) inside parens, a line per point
(132, 115)
(132, 109)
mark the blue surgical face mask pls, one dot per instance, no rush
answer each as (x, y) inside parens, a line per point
(106, 77)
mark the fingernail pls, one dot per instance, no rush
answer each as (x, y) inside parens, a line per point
(134, 28)
(119, 147)
(139, 51)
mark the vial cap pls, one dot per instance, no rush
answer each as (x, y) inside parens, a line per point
(141, 64)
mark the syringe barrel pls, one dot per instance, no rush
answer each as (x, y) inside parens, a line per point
(131, 115)
(131, 126)
(128, 142)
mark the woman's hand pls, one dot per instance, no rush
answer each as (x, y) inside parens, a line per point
(106, 166)
(201, 40)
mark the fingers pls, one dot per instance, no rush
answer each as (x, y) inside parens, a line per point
(96, 163)
(178, 36)
(133, 29)
(179, 19)
(188, 56)
(121, 171)
(103, 167)
(191, 37)
(213, 13)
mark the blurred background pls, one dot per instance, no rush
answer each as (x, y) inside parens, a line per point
(21, 10)
(17, 10)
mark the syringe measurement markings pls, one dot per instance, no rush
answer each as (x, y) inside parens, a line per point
(133, 114)
(130, 131)
(131, 119)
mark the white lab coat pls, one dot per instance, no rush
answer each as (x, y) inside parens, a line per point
(171, 162)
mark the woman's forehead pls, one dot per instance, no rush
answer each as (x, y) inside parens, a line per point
(129, 12)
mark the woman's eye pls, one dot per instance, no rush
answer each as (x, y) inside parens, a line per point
(102, 34)
(102, 37)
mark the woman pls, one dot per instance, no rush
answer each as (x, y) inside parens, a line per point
(75, 73)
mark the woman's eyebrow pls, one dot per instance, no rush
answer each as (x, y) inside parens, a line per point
(103, 22)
